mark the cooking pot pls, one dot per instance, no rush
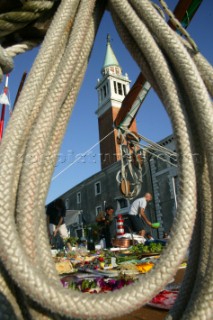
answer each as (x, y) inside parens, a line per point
(122, 242)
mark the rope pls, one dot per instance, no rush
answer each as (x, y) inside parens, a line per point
(6, 55)
(11, 22)
(21, 48)
(157, 146)
(204, 67)
(6, 63)
(84, 154)
(159, 156)
(176, 23)
(129, 178)
(188, 76)
(35, 132)
(30, 11)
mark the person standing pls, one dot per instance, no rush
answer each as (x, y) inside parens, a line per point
(55, 214)
(105, 222)
(137, 217)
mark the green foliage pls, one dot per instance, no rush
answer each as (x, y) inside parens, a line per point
(72, 240)
(150, 248)
(155, 247)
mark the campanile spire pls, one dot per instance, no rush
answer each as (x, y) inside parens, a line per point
(112, 88)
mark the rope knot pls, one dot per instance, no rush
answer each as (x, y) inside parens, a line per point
(6, 62)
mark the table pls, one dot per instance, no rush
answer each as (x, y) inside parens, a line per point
(149, 313)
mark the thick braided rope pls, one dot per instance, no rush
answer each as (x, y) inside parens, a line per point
(204, 67)
(32, 158)
(180, 127)
(206, 306)
(55, 33)
(197, 263)
(29, 171)
(30, 11)
(62, 120)
(21, 48)
(6, 63)
(177, 24)
(45, 291)
(204, 117)
(48, 56)
(6, 55)
(7, 293)
(13, 21)
(88, 311)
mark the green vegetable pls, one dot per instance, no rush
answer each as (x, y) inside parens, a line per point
(125, 258)
(155, 247)
(146, 249)
(139, 249)
(72, 285)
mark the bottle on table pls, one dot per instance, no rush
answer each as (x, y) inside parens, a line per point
(90, 239)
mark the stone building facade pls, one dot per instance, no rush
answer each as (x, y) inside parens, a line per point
(159, 177)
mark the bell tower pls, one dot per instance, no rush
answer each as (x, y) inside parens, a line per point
(112, 89)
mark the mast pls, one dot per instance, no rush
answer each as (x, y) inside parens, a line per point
(20, 88)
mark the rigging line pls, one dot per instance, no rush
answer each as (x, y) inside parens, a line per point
(153, 148)
(84, 154)
(157, 146)
(151, 143)
(158, 156)
(146, 149)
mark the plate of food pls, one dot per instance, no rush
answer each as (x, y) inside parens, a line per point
(109, 273)
(150, 254)
(164, 299)
(64, 267)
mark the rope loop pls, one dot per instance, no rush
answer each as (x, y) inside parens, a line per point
(19, 18)
(28, 278)
(129, 178)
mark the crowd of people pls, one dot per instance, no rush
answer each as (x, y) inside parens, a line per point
(136, 221)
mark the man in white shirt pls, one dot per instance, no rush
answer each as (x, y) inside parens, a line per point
(137, 216)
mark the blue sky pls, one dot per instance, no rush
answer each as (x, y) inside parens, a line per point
(82, 131)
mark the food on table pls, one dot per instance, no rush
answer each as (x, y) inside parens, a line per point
(127, 266)
(64, 267)
(144, 267)
(101, 285)
(164, 299)
(140, 249)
